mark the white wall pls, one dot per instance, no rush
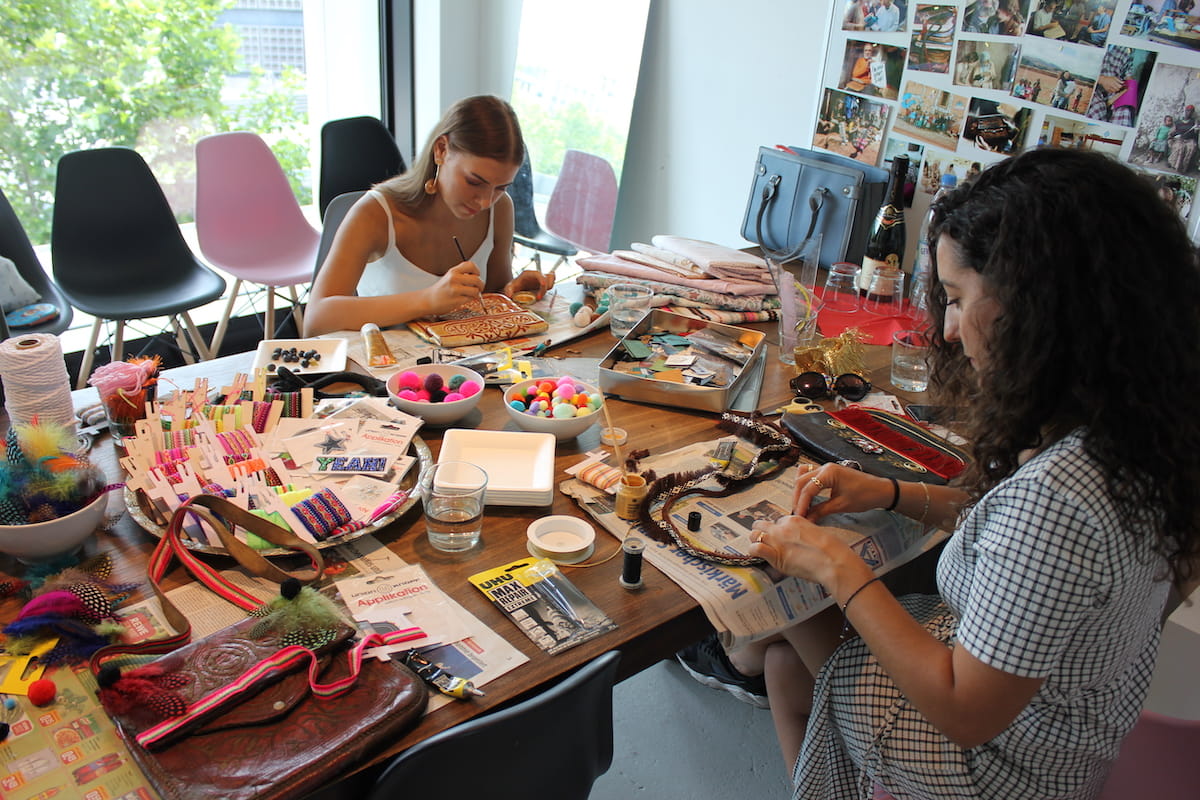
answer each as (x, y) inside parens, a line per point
(718, 79)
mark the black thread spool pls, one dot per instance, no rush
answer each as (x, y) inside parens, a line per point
(694, 520)
(631, 568)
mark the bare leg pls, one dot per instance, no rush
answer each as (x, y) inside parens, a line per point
(790, 687)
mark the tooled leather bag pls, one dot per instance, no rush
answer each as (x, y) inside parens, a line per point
(266, 718)
(879, 442)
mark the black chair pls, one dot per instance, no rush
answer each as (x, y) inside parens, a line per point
(15, 245)
(118, 252)
(334, 214)
(526, 230)
(552, 745)
(356, 153)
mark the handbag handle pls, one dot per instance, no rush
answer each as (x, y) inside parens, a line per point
(816, 201)
(214, 511)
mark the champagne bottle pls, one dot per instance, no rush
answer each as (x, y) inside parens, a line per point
(885, 245)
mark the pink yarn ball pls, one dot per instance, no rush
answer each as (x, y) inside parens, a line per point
(422, 396)
(410, 380)
(406, 394)
(469, 388)
(453, 397)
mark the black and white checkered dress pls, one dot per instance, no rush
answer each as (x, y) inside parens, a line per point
(1040, 581)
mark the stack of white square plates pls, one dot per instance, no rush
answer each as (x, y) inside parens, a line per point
(519, 465)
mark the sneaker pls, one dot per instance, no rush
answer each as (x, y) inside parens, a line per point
(707, 662)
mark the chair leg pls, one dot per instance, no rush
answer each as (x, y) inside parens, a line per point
(269, 319)
(182, 343)
(223, 323)
(297, 311)
(117, 351)
(89, 355)
(203, 352)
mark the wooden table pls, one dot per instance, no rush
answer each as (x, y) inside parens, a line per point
(652, 623)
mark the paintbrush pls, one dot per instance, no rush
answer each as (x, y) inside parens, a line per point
(463, 256)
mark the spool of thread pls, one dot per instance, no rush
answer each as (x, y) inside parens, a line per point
(36, 382)
(631, 567)
(694, 519)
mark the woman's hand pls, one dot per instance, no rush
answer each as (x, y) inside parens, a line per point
(460, 285)
(801, 548)
(531, 281)
(849, 490)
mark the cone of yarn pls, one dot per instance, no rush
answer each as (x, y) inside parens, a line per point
(36, 383)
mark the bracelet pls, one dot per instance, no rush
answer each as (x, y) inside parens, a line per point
(925, 510)
(895, 495)
(849, 600)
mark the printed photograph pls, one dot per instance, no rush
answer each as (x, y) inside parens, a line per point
(1059, 76)
(1167, 127)
(998, 17)
(1169, 22)
(941, 162)
(1124, 78)
(872, 69)
(986, 65)
(902, 147)
(931, 115)
(1177, 190)
(933, 33)
(762, 510)
(882, 16)
(1072, 132)
(850, 126)
(996, 127)
(1087, 22)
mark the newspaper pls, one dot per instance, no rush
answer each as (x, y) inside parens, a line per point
(745, 604)
(480, 656)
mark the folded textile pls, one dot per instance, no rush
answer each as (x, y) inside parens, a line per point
(717, 260)
(648, 260)
(619, 266)
(727, 302)
(726, 317)
(670, 256)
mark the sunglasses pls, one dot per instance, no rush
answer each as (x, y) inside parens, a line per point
(815, 385)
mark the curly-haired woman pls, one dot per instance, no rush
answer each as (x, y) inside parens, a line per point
(1067, 316)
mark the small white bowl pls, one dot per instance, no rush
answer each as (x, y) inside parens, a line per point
(562, 429)
(562, 539)
(42, 541)
(436, 413)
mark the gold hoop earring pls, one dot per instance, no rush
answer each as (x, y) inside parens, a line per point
(431, 184)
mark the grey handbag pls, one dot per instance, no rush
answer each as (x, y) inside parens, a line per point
(798, 192)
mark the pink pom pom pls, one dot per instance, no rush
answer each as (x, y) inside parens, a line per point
(469, 388)
(410, 380)
(453, 397)
(422, 396)
(407, 394)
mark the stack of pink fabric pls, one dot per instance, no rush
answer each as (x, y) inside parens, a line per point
(712, 281)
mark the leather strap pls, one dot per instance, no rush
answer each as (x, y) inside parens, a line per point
(214, 511)
(816, 201)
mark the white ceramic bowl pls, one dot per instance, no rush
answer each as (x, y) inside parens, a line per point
(436, 413)
(562, 429)
(41, 541)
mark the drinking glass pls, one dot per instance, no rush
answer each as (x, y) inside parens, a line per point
(841, 288)
(885, 296)
(453, 494)
(627, 304)
(795, 276)
(910, 366)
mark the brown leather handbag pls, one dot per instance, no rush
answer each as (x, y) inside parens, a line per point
(265, 718)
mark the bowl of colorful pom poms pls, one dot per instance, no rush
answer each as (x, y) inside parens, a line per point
(51, 500)
(437, 393)
(565, 407)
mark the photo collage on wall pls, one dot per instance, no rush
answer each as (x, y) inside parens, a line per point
(959, 84)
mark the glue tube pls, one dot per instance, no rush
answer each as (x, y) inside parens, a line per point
(378, 354)
(438, 678)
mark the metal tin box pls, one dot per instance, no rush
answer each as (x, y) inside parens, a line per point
(680, 395)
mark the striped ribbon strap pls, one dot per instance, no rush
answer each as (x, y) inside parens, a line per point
(283, 662)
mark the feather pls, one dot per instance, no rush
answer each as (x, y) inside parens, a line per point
(298, 616)
(40, 440)
(57, 604)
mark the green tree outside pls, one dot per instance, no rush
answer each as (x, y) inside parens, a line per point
(549, 136)
(146, 74)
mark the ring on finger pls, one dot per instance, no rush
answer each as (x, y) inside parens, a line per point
(816, 482)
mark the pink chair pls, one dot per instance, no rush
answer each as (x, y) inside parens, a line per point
(1160, 758)
(584, 202)
(249, 223)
